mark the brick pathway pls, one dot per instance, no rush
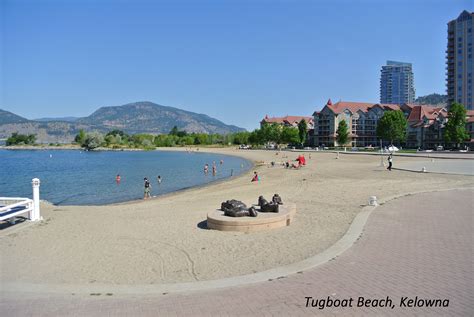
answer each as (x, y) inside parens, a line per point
(419, 245)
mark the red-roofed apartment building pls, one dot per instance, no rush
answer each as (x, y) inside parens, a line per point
(425, 124)
(361, 119)
(290, 121)
(470, 126)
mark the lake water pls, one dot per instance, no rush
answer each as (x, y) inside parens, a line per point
(71, 177)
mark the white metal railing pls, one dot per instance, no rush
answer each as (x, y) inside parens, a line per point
(23, 205)
(5, 211)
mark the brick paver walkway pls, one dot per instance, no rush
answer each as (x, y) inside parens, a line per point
(420, 245)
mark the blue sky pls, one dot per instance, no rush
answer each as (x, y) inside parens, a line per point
(233, 60)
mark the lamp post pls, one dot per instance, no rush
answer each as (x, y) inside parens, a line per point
(381, 155)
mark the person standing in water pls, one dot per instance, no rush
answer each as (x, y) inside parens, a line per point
(117, 179)
(159, 179)
(214, 170)
(147, 192)
(206, 168)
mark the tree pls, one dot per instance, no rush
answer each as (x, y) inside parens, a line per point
(93, 140)
(342, 133)
(21, 139)
(392, 126)
(80, 137)
(116, 132)
(255, 137)
(269, 133)
(302, 130)
(174, 131)
(455, 130)
(290, 135)
(241, 137)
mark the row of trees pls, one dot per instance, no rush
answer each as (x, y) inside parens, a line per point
(393, 127)
(120, 139)
(21, 139)
(279, 134)
(267, 133)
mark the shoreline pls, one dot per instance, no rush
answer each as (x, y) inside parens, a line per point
(77, 147)
(165, 239)
(245, 172)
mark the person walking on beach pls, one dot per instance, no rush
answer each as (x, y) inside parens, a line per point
(159, 179)
(390, 159)
(147, 193)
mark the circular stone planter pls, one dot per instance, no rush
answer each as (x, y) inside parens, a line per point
(264, 221)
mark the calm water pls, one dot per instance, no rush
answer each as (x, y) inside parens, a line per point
(70, 177)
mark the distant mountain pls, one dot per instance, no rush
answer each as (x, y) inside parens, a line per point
(147, 117)
(138, 117)
(433, 99)
(8, 117)
(67, 119)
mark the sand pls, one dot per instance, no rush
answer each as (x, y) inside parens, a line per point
(163, 240)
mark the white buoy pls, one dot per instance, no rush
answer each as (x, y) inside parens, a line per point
(373, 201)
(35, 213)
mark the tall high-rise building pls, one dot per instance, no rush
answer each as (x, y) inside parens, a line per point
(459, 60)
(396, 83)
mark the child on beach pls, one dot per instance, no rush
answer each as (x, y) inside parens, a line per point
(255, 177)
(147, 192)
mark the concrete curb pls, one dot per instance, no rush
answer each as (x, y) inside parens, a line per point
(436, 155)
(428, 172)
(348, 239)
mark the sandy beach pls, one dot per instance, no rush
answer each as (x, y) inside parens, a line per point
(164, 240)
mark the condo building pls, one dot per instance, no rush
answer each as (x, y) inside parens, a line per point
(396, 83)
(459, 69)
(425, 124)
